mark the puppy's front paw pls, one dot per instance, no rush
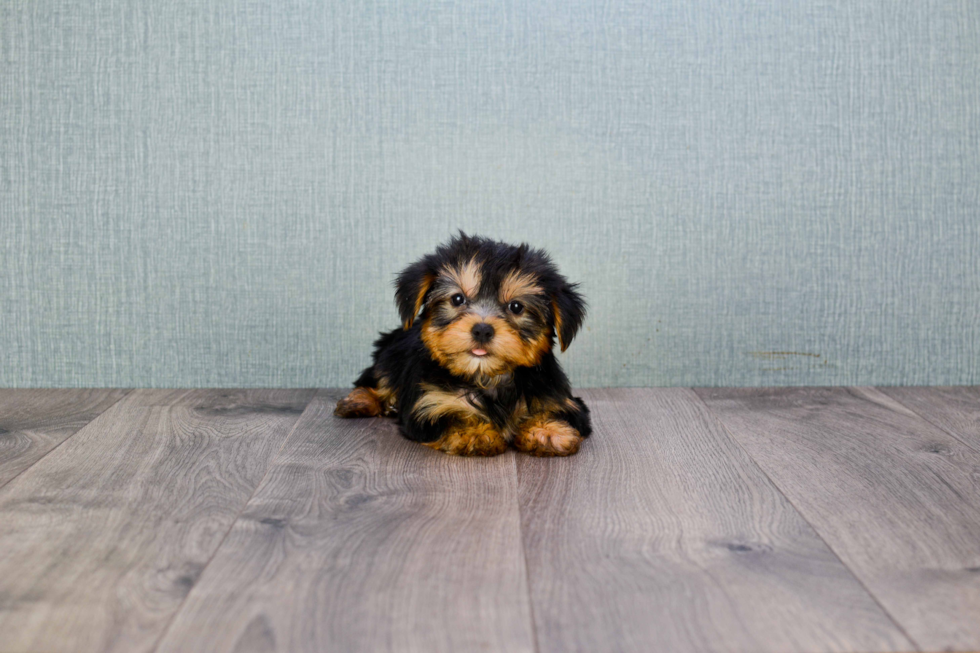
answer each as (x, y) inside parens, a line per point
(543, 436)
(361, 402)
(471, 440)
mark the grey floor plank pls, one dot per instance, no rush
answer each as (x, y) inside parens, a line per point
(662, 534)
(101, 540)
(35, 421)
(954, 409)
(359, 540)
(897, 498)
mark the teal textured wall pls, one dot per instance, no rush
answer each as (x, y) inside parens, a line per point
(219, 194)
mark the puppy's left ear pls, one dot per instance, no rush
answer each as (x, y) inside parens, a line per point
(568, 308)
(411, 287)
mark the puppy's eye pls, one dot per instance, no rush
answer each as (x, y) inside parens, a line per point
(515, 307)
(457, 299)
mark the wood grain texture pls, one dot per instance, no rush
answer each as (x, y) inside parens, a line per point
(359, 540)
(956, 410)
(102, 539)
(662, 534)
(896, 498)
(35, 421)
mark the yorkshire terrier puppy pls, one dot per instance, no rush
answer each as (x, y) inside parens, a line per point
(472, 368)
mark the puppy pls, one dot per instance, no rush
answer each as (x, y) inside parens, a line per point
(472, 368)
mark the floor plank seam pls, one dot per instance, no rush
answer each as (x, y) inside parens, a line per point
(942, 428)
(527, 569)
(231, 527)
(803, 516)
(126, 393)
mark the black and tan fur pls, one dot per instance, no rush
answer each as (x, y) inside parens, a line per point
(471, 295)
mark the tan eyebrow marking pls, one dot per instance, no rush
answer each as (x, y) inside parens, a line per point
(467, 277)
(518, 283)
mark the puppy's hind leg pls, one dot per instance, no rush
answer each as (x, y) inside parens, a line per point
(361, 402)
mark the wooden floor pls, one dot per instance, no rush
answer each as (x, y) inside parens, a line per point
(793, 519)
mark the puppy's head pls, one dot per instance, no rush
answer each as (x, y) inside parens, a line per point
(488, 307)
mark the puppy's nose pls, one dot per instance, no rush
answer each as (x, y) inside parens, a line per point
(482, 332)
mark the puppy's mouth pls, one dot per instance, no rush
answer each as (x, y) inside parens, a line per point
(478, 352)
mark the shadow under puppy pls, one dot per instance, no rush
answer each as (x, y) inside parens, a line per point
(472, 368)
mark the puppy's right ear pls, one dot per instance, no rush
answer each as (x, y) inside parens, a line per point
(411, 287)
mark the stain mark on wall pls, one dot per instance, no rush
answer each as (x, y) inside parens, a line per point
(776, 355)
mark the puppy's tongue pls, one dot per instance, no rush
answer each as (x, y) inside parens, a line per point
(478, 352)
